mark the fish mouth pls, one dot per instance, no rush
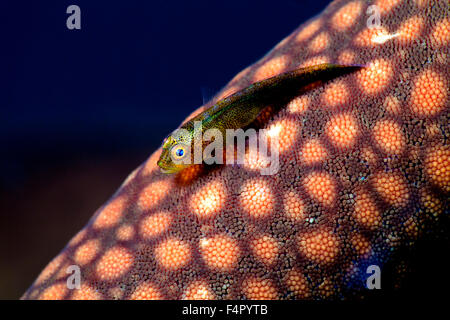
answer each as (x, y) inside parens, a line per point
(165, 169)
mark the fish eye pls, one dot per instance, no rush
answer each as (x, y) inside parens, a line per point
(178, 152)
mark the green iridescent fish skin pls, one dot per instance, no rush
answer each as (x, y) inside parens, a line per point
(240, 109)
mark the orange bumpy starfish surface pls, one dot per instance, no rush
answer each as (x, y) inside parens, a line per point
(364, 167)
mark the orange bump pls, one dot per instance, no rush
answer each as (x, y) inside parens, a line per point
(286, 132)
(77, 238)
(319, 43)
(386, 6)
(297, 283)
(431, 203)
(335, 94)
(441, 33)
(173, 253)
(313, 152)
(320, 246)
(220, 252)
(259, 289)
(62, 273)
(293, 205)
(125, 232)
(87, 252)
(86, 292)
(437, 164)
(342, 130)
(410, 30)
(309, 30)
(368, 155)
(265, 249)
(321, 187)
(429, 93)
(366, 212)
(198, 290)
(346, 57)
(254, 159)
(412, 227)
(111, 214)
(271, 68)
(361, 245)
(256, 198)
(298, 105)
(347, 16)
(208, 200)
(155, 224)
(54, 292)
(375, 77)
(326, 288)
(114, 263)
(392, 187)
(146, 291)
(389, 137)
(392, 105)
(153, 193)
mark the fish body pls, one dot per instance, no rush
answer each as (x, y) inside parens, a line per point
(240, 109)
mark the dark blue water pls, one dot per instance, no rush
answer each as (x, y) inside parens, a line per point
(132, 73)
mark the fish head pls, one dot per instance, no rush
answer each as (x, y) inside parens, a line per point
(175, 155)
